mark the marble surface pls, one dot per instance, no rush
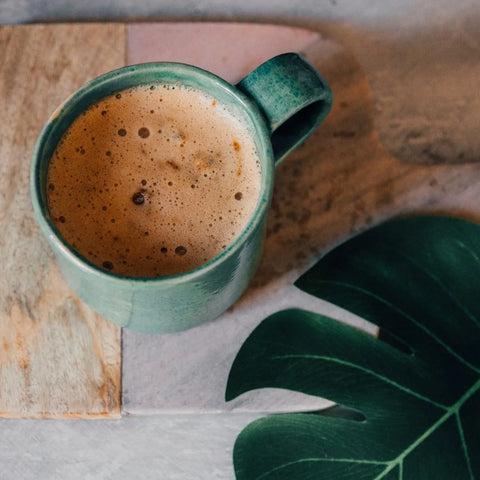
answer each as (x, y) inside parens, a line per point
(173, 447)
(378, 13)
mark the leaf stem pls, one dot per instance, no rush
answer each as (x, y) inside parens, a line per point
(453, 410)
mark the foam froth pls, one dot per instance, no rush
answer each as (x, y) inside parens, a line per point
(153, 181)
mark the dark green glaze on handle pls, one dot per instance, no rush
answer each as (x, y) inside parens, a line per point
(293, 97)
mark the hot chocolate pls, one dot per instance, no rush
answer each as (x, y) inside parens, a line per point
(153, 181)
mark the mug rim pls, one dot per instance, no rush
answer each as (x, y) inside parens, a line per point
(261, 134)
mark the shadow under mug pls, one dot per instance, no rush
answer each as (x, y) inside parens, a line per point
(281, 102)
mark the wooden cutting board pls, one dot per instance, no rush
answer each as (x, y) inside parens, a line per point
(57, 357)
(60, 359)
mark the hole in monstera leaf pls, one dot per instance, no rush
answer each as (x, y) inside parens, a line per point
(394, 341)
(341, 411)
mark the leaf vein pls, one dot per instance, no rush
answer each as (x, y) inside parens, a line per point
(365, 370)
(316, 459)
(453, 410)
(408, 317)
(435, 279)
(464, 445)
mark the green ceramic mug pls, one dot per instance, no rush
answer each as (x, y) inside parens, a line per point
(282, 101)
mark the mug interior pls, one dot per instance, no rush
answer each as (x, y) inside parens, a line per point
(127, 77)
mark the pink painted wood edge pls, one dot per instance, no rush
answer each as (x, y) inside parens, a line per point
(230, 50)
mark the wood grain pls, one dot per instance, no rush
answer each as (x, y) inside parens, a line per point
(57, 357)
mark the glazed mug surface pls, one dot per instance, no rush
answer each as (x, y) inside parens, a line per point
(282, 101)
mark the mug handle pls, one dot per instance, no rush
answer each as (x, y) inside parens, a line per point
(293, 97)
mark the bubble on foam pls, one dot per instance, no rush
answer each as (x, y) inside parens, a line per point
(138, 198)
(143, 132)
(180, 250)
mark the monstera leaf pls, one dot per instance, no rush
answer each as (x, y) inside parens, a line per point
(409, 405)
